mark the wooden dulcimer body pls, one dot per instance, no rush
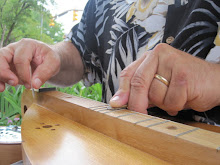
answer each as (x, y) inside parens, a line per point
(58, 128)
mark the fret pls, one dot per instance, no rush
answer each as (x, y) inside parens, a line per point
(112, 110)
(129, 114)
(149, 122)
(98, 107)
(101, 110)
(145, 120)
(187, 132)
(162, 122)
(136, 117)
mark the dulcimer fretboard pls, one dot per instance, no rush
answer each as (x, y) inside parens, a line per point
(168, 140)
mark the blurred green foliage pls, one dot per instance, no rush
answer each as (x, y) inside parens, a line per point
(94, 92)
(10, 100)
(10, 104)
(27, 19)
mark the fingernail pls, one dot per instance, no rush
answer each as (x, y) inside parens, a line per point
(116, 98)
(11, 82)
(114, 101)
(37, 83)
(27, 86)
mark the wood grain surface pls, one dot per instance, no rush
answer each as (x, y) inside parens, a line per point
(49, 138)
(10, 153)
(164, 139)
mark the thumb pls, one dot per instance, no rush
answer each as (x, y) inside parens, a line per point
(120, 98)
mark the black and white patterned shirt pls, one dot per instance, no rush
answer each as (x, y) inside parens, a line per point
(114, 33)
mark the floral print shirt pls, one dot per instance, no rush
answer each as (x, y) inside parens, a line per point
(114, 33)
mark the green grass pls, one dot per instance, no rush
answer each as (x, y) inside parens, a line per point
(10, 100)
(10, 105)
(94, 92)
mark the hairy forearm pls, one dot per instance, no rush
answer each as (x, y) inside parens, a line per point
(71, 69)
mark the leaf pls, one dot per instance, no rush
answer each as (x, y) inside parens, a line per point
(112, 43)
(113, 36)
(101, 19)
(109, 51)
(120, 22)
(13, 103)
(2, 105)
(122, 10)
(101, 30)
(135, 40)
(117, 27)
(100, 8)
(13, 89)
(6, 107)
(121, 49)
(130, 12)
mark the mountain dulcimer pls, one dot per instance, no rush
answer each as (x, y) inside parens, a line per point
(58, 128)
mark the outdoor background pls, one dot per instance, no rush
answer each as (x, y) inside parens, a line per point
(45, 20)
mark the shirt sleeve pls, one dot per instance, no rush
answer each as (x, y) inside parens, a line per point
(83, 37)
(214, 55)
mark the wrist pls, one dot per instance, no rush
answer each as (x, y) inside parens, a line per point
(71, 66)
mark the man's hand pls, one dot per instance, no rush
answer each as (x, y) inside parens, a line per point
(193, 83)
(16, 59)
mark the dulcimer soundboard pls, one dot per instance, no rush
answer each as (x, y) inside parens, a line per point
(58, 128)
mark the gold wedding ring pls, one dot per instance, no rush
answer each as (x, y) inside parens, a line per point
(161, 79)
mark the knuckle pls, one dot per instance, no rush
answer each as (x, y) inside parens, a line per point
(4, 50)
(171, 52)
(138, 81)
(6, 54)
(125, 73)
(180, 77)
(22, 44)
(160, 47)
(24, 40)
